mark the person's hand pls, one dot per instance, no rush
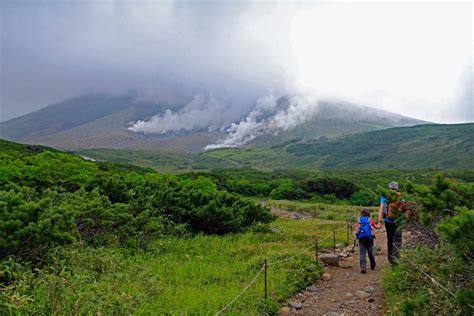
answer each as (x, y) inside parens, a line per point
(379, 225)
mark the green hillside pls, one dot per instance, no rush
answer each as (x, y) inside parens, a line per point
(417, 147)
(424, 146)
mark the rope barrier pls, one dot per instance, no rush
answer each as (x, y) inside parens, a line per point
(272, 263)
(292, 257)
(302, 251)
(426, 274)
(243, 291)
(308, 248)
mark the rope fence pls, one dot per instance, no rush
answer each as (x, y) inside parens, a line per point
(272, 263)
(243, 291)
(315, 245)
(427, 275)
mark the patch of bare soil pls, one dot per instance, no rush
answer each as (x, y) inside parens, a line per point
(288, 214)
(347, 292)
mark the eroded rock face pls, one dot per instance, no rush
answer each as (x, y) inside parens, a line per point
(330, 259)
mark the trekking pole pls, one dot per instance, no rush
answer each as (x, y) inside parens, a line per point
(334, 240)
(266, 267)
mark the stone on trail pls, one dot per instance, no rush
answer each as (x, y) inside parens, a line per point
(296, 305)
(312, 288)
(284, 311)
(368, 289)
(329, 259)
(362, 294)
(326, 276)
(332, 313)
(340, 246)
(376, 249)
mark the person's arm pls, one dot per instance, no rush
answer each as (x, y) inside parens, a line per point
(373, 224)
(382, 206)
(356, 229)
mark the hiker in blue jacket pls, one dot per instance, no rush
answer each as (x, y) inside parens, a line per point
(365, 234)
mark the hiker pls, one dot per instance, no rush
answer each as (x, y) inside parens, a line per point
(365, 234)
(387, 213)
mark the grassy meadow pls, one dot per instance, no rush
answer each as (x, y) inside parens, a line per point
(196, 275)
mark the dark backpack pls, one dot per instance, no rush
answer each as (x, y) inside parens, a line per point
(365, 231)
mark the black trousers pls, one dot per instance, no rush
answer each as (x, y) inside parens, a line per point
(366, 245)
(394, 241)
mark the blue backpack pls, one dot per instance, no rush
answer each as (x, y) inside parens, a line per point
(365, 231)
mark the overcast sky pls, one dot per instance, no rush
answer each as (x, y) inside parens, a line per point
(413, 59)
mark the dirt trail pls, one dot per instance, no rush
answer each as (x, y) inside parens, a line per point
(348, 292)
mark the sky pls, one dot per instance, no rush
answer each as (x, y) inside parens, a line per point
(415, 59)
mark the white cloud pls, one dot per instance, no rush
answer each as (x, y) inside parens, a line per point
(400, 56)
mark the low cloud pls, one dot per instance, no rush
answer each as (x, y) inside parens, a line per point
(237, 52)
(202, 112)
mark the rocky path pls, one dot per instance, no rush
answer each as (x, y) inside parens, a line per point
(344, 290)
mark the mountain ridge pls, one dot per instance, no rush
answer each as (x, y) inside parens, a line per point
(102, 121)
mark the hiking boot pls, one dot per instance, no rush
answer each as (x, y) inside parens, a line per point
(363, 271)
(372, 265)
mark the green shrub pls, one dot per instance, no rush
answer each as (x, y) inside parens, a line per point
(363, 198)
(49, 198)
(341, 188)
(445, 208)
(458, 230)
(287, 191)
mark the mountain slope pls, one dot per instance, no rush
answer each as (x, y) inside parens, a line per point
(335, 118)
(63, 116)
(423, 146)
(88, 121)
(102, 121)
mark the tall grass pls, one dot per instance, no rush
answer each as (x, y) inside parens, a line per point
(197, 275)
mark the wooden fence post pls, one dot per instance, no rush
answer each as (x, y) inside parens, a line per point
(348, 234)
(316, 249)
(266, 290)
